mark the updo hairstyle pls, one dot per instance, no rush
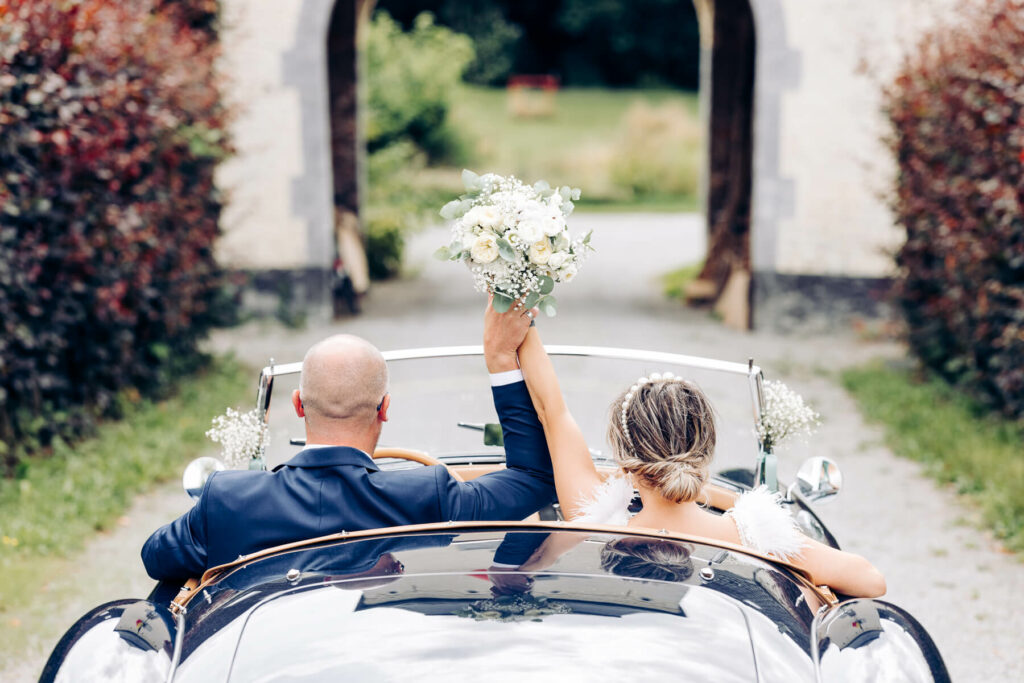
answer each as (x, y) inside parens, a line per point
(662, 431)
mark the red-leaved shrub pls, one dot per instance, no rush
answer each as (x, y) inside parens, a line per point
(111, 126)
(957, 112)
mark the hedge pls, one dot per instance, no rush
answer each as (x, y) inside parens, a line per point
(111, 126)
(957, 114)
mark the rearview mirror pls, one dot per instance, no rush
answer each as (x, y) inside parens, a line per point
(198, 472)
(818, 479)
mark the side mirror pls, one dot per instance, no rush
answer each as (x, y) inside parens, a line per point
(198, 472)
(818, 479)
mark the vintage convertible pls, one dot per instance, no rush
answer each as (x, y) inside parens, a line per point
(535, 599)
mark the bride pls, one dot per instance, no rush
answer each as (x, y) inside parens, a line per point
(662, 434)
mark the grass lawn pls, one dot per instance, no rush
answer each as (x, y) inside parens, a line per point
(579, 143)
(64, 499)
(927, 420)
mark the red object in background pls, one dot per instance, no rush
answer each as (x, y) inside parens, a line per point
(532, 95)
(536, 81)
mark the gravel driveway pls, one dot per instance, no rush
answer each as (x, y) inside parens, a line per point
(966, 590)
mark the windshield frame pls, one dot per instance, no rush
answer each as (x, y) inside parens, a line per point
(753, 373)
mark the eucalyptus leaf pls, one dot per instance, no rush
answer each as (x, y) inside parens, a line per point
(567, 208)
(547, 306)
(586, 238)
(547, 285)
(505, 249)
(501, 303)
(470, 180)
(531, 300)
(443, 254)
(456, 208)
(565, 191)
(575, 194)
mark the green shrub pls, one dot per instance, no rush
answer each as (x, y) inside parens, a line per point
(410, 78)
(111, 128)
(385, 243)
(956, 109)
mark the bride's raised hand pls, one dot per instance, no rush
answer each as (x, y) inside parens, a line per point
(503, 334)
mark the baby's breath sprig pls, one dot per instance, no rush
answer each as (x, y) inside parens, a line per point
(243, 436)
(784, 415)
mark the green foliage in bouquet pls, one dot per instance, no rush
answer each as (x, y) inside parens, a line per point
(957, 114)
(111, 126)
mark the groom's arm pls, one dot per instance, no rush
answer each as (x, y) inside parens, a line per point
(177, 551)
(527, 482)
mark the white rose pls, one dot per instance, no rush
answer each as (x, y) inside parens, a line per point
(540, 252)
(554, 224)
(567, 273)
(490, 217)
(474, 217)
(557, 260)
(485, 248)
(529, 231)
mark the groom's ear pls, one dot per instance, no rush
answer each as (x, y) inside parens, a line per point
(382, 412)
(300, 409)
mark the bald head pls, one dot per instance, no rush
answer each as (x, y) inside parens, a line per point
(343, 378)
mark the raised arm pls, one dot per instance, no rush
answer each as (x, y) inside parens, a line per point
(576, 477)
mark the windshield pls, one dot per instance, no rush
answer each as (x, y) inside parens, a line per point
(431, 396)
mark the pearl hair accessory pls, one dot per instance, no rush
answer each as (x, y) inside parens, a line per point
(649, 379)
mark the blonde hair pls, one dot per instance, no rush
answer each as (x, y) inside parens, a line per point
(662, 431)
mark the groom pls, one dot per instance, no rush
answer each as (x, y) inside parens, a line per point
(334, 485)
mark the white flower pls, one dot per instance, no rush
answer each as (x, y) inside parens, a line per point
(243, 435)
(529, 230)
(484, 216)
(784, 415)
(485, 248)
(557, 260)
(468, 240)
(553, 221)
(567, 273)
(540, 252)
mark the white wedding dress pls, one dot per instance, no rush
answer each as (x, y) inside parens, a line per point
(763, 524)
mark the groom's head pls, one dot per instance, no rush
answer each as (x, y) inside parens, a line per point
(343, 385)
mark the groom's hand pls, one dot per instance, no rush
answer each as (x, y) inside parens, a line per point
(503, 333)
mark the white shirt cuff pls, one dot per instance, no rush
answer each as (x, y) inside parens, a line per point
(500, 379)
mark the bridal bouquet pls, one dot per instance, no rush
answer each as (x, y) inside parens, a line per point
(785, 415)
(514, 239)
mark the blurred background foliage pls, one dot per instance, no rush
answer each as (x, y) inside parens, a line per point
(623, 123)
(957, 114)
(586, 43)
(111, 125)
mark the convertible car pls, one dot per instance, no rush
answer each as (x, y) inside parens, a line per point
(535, 599)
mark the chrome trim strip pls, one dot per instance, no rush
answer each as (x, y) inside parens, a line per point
(555, 350)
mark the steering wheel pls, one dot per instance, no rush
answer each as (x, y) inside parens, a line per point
(415, 456)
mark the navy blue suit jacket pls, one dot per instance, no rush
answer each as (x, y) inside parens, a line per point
(327, 490)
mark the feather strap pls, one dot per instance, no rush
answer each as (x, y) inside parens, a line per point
(765, 526)
(609, 503)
